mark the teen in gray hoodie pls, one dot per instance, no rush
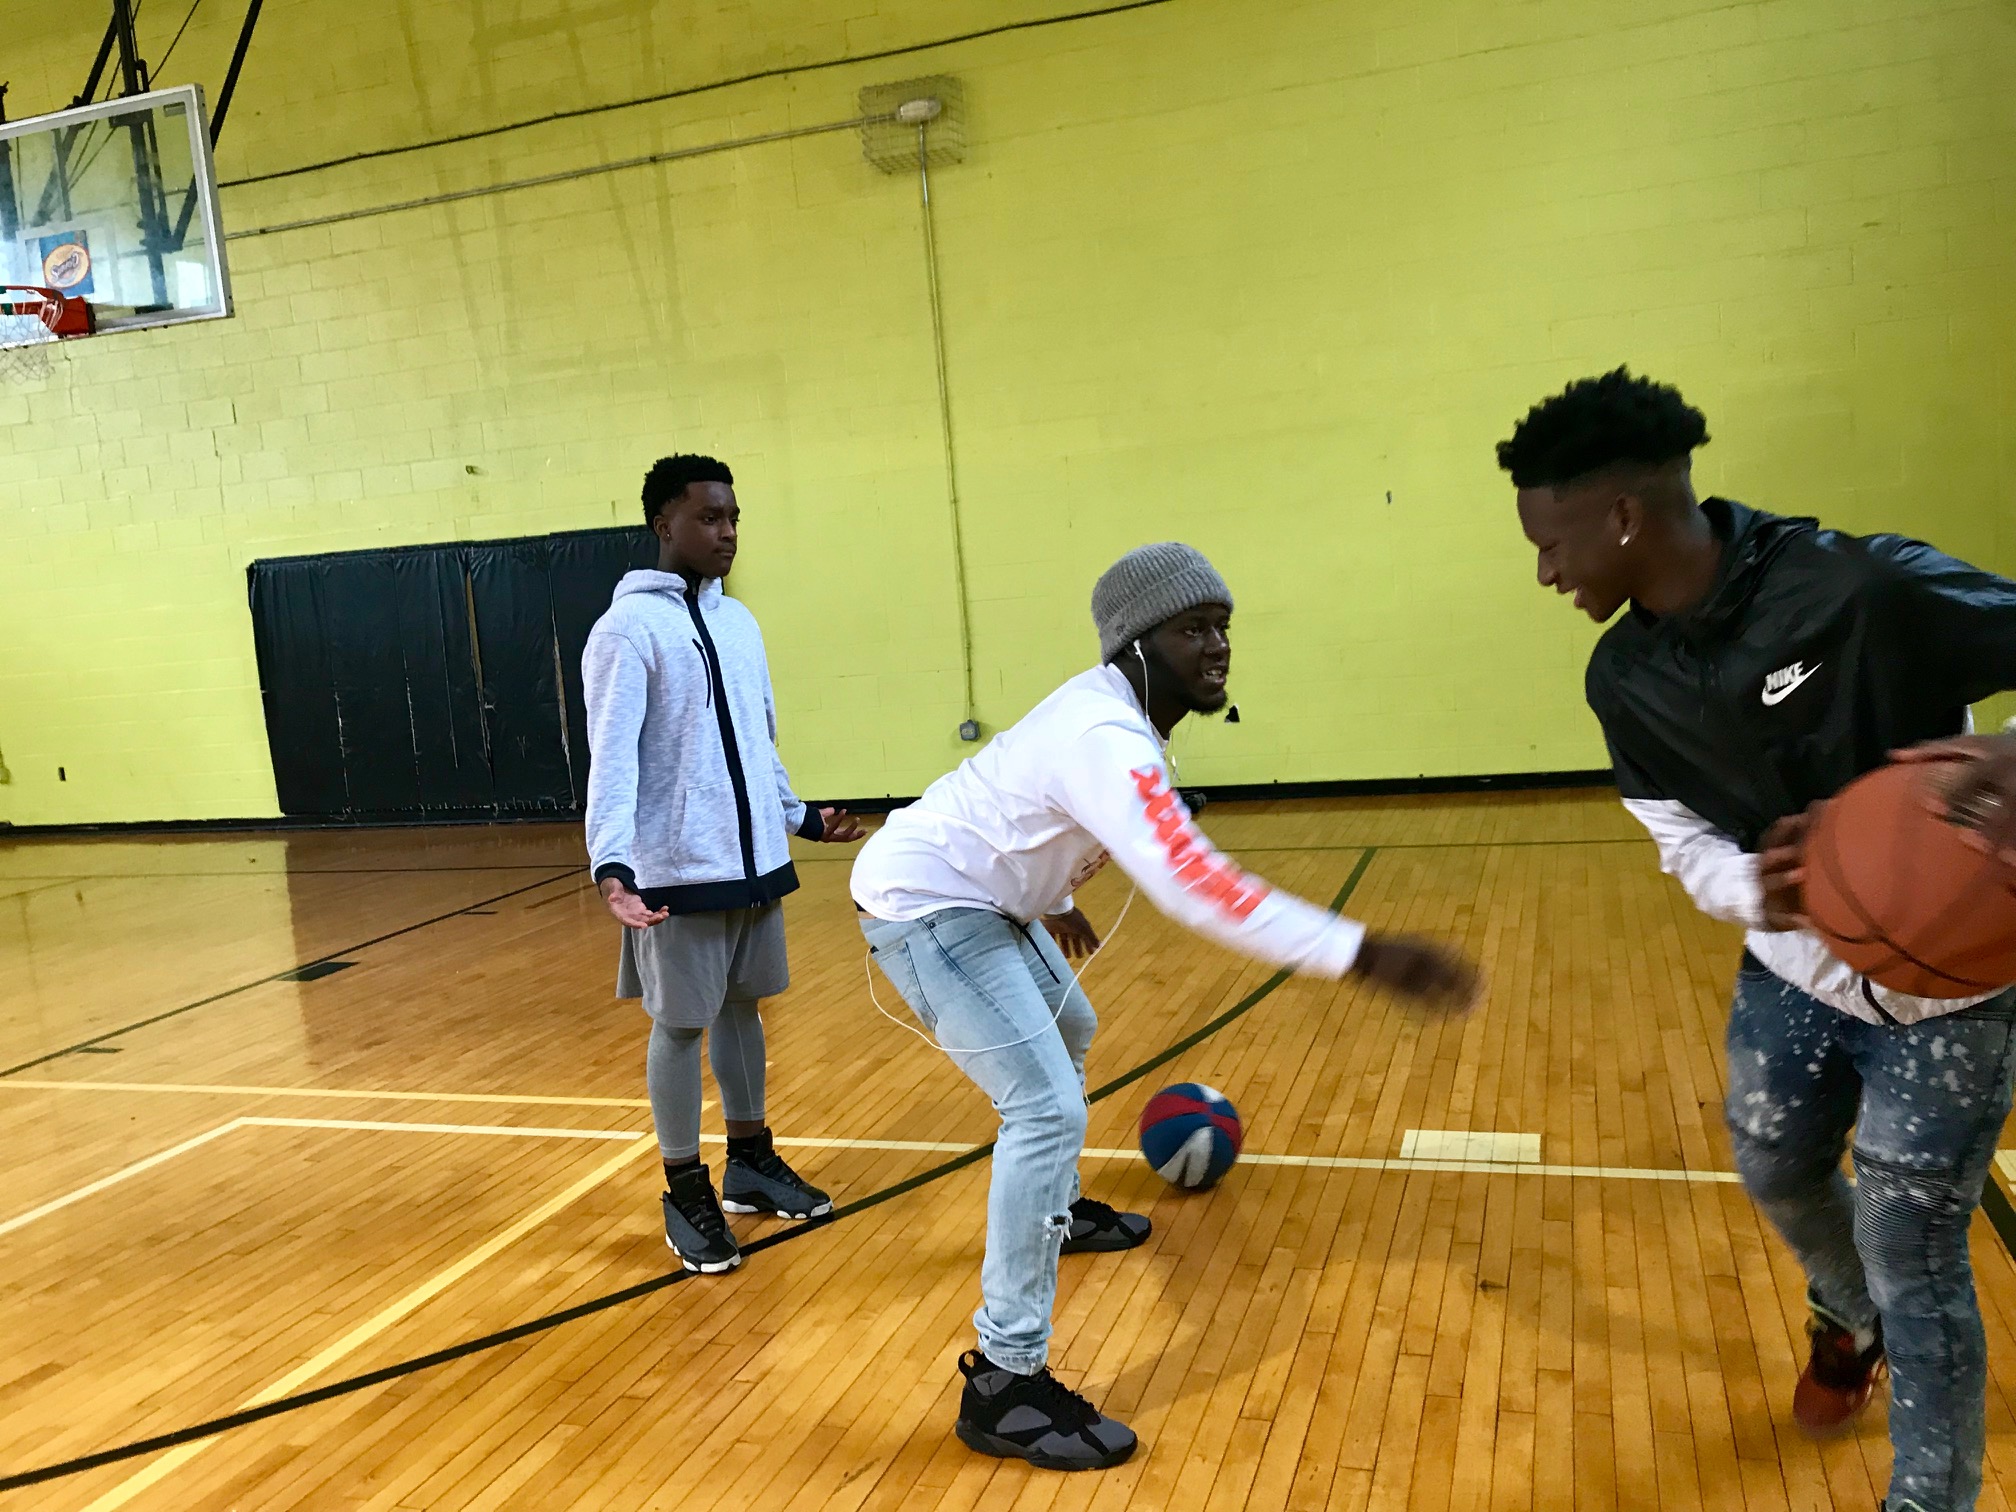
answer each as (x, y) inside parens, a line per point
(690, 815)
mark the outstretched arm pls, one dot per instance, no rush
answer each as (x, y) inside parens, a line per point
(1114, 783)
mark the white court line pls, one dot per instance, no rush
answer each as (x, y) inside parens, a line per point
(1317, 1162)
(1483, 1167)
(22, 1220)
(375, 1325)
(922, 1146)
(504, 1099)
(1336, 1162)
(126, 1173)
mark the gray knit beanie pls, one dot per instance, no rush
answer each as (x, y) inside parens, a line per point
(1148, 586)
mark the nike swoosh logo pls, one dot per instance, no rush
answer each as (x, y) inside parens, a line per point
(1775, 696)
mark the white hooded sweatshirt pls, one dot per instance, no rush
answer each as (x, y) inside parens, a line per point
(688, 801)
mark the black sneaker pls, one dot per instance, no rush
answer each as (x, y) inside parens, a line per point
(1036, 1418)
(694, 1226)
(1095, 1226)
(758, 1181)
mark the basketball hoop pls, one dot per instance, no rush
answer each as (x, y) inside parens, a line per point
(32, 321)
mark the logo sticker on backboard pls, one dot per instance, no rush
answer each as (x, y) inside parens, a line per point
(66, 262)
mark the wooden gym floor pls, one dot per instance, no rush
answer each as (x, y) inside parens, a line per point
(228, 1188)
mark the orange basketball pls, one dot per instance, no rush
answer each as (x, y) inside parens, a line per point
(1908, 897)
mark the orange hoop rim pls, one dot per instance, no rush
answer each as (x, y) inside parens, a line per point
(61, 314)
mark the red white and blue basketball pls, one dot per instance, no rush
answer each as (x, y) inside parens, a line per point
(1190, 1134)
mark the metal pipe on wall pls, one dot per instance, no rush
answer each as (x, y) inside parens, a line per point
(969, 727)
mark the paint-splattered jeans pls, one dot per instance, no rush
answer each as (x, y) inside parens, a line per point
(976, 980)
(1926, 1102)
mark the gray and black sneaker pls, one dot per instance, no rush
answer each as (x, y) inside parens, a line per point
(694, 1226)
(1036, 1418)
(758, 1181)
(1095, 1226)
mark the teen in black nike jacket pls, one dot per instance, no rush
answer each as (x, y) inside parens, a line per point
(1762, 664)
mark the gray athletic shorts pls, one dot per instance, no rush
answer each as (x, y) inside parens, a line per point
(687, 967)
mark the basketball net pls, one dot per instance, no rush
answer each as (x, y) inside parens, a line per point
(25, 345)
(29, 321)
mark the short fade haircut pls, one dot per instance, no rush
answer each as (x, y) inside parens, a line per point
(670, 477)
(1596, 423)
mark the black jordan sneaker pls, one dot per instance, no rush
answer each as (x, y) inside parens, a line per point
(694, 1226)
(1035, 1418)
(1095, 1226)
(758, 1181)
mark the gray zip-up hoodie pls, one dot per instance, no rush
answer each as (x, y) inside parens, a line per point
(688, 801)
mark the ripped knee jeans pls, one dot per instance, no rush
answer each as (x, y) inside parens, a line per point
(1000, 999)
(1926, 1102)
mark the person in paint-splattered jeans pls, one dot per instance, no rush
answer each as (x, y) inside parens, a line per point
(1753, 666)
(1887, 1262)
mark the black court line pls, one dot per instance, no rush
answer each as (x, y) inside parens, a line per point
(230, 992)
(560, 897)
(213, 1426)
(40, 886)
(319, 970)
(1238, 1009)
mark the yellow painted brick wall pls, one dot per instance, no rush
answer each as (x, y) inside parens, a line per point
(1268, 277)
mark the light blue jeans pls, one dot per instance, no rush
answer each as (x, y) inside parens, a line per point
(1926, 1102)
(976, 980)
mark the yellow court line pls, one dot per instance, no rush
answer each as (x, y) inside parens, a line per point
(373, 1326)
(502, 1099)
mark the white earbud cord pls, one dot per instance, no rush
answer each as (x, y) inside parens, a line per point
(1169, 759)
(1076, 977)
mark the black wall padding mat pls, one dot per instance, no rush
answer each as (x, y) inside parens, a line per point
(434, 681)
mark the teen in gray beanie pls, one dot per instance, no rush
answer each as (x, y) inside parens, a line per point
(1149, 585)
(949, 892)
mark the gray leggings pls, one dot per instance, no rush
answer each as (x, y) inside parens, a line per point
(672, 1075)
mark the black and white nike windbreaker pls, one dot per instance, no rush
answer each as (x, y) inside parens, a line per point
(1813, 656)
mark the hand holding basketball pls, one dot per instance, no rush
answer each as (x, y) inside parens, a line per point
(1982, 794)
(1420, 969)
(1781, 870)
(1903, 881)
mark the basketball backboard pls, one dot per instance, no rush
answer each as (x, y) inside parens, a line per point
(116, 204)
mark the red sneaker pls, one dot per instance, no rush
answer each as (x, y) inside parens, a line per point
(1838, 1380)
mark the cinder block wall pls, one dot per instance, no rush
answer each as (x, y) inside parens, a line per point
(1271, 278)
